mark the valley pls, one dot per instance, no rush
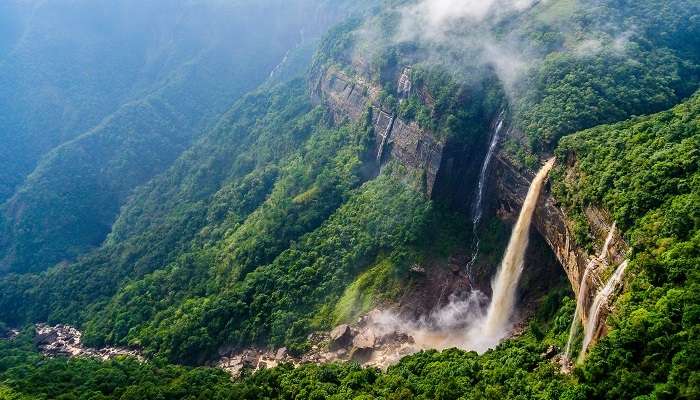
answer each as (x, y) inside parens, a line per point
(379, 199)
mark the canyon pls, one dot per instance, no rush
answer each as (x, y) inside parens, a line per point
(452, 299)
(507, 182)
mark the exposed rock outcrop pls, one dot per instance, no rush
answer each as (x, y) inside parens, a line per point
(253, 360)
(64, 340)
(374, 340)
(341, 337)
(417, 149)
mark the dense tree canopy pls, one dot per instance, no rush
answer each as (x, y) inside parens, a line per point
(646, 172)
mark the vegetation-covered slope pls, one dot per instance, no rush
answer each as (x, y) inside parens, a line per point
(61, 76)
(288, 173)
(649, 352)
(621, 58)
(254, 233)
(646, 172)
(141, 94)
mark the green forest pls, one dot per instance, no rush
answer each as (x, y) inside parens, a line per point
(236, 200)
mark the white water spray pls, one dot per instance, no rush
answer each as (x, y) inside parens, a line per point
(601, 301)
(498, 317)
(583, 289)
(478, 211)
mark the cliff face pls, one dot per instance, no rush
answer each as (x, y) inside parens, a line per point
(351, 97)
(437, 162)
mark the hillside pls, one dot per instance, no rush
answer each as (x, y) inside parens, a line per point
(378, 188)
(75, 154)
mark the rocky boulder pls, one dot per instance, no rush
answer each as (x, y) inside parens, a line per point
(341, 337)
(363, 346)
(281, 354)
(364, 340)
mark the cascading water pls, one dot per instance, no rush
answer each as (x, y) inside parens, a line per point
(477, 211)
(496, 324)
(387, 132)
(583, 289)
(602, 299)
(608, 240)
(573, 331)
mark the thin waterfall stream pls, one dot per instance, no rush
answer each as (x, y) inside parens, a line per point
(573, 331)
(602, 300)
(583, 289)
(477, 211)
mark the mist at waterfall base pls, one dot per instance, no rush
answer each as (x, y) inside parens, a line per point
(471, 322)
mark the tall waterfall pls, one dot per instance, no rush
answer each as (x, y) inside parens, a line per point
(498, 316)
(601, 301)
(477, 211)
(582, 290)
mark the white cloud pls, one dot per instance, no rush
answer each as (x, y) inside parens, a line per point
(434, 20)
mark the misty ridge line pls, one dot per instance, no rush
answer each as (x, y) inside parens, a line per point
(460, 35)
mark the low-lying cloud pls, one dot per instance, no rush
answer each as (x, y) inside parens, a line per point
(435, 20)
(465, 29)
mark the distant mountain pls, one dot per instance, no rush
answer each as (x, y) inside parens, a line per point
(96, 109)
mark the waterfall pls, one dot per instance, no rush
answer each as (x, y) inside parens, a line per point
(279, 66)
(504, 286)
(601, 301)
(478, 211)
(387, 132)
(608, 240)
(582, 289)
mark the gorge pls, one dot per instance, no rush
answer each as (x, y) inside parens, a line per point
(335, 199)
(419, 151)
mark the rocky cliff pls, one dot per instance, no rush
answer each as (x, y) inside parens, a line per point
(437, 162)
(551, 221)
